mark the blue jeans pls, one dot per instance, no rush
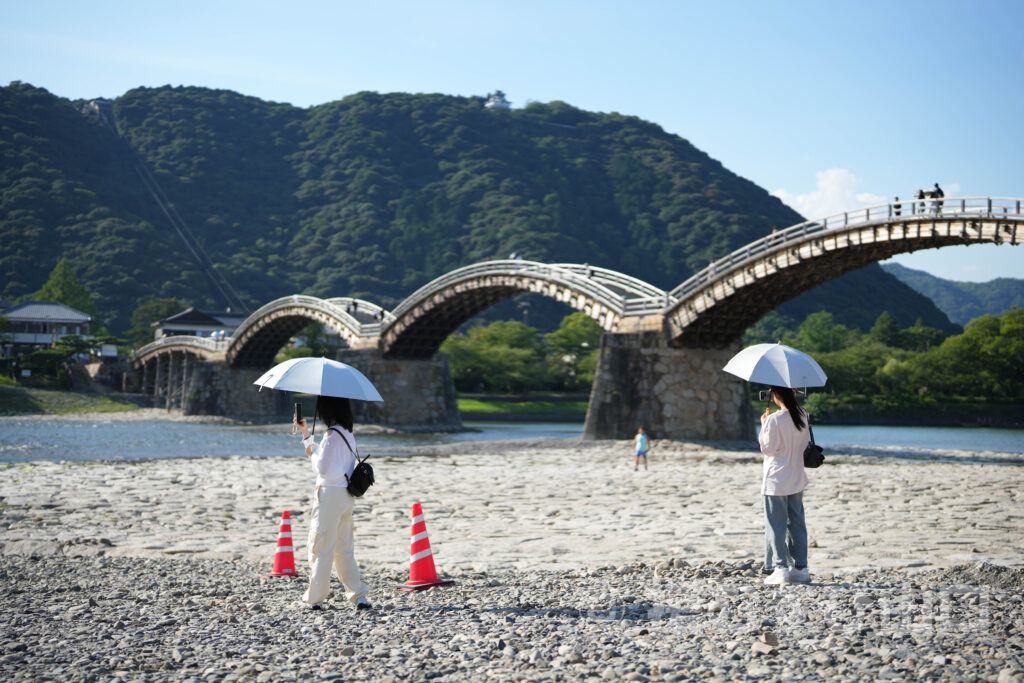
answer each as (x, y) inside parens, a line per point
(782, 514)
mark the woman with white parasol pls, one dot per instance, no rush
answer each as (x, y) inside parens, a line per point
(783, 438)
(331, 530)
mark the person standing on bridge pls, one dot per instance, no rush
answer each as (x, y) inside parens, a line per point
(938, 194)
(897, 207)
(783, 438)
(330, 525)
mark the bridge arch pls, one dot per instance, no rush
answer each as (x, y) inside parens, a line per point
(426, 318)
(260, 336)
(714, 307)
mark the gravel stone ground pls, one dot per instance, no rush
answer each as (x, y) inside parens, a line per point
(189, 619)
(568, 566)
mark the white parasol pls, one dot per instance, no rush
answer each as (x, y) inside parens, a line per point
(776, 365)
(319, 376)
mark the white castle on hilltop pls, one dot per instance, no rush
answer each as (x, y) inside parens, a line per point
(496, 100)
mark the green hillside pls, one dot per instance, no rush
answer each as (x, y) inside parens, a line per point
(962, 301)
(370, 196)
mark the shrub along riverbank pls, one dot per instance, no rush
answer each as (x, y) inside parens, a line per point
(908, 412)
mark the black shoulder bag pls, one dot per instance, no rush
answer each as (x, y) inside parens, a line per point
(362, 474)
(813, 454)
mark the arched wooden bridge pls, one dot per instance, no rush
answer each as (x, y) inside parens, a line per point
(708, 311)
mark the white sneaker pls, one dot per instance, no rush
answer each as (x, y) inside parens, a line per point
(777, 577)
(800, 575)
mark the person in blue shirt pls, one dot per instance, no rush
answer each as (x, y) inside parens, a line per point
(641, 446)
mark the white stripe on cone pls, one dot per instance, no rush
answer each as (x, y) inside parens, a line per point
(419, 537)
(417, 519)
(284, 549)
(420, 555)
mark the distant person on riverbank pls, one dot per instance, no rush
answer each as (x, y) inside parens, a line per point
(330, 524)
(641, 444)
(783, 438)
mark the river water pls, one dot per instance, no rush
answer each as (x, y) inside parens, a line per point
(32, 439)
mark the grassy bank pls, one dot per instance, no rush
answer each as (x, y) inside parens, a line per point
(26, 401)
(540, 408)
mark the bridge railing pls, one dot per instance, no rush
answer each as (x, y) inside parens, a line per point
(555, 273)
(323, 305)
(612, 278)
(204, 343)
(382, 316)
(904, 210)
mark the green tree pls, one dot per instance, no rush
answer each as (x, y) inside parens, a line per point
(817, 404)
(853, 370)
(886, 330)
(72, 344)
(504, 356)
(920, 337)
(984, 361)
(771, 328)
(141, 331)
(572, 351)
(894, 376)
(819, 332)
(63, 286)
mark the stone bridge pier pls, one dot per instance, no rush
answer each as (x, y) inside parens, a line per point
(418, 394)
(677, 393)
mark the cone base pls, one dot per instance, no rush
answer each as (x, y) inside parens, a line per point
(423, 585)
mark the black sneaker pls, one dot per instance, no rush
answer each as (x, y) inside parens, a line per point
(363, 603)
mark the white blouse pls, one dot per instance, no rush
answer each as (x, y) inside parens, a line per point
(331, 459)
(783, 447)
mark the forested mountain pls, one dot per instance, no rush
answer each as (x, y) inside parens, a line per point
(370, 196)
(962, 301)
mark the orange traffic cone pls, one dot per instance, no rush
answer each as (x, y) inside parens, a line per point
(422, 574)
(284, 559)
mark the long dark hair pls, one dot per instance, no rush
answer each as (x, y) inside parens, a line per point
(335, 411)
(788, 397)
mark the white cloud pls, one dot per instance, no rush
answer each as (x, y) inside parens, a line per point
(835, 192)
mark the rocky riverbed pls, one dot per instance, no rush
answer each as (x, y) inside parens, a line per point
(568, 565)
(124, 619)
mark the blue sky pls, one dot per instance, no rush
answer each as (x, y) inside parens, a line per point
(829, 105)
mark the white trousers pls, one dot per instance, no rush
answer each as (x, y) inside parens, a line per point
(331, 540)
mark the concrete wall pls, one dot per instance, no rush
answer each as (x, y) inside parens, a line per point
(672, 392)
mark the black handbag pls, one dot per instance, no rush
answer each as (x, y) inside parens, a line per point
(813, 454)
(362, 473)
